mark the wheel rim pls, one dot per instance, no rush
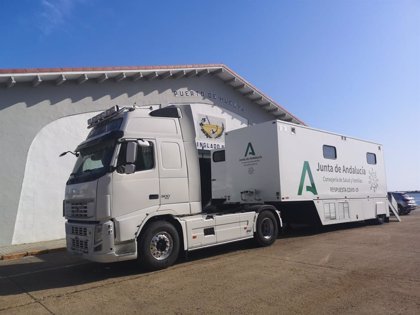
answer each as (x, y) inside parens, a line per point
(161, 245)
(267, 228)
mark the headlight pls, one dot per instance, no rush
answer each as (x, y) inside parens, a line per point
(98, 233)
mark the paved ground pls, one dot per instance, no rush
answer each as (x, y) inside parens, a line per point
(32, 249)
(360, 269)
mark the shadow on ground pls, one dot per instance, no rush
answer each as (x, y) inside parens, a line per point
(60, 270)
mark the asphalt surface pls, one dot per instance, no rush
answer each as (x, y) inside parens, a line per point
(31, 249)
(354, 269)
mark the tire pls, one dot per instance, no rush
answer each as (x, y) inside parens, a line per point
(267, 229)
(159, 246)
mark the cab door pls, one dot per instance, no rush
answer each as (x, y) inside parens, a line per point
(173, 176)
(137, 193)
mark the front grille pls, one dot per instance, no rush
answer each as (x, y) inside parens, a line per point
(79, 209)
(79, 245)
(79, 230)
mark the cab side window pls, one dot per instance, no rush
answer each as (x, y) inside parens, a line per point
(145, 157)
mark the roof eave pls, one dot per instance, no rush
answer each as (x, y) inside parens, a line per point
(10, 77)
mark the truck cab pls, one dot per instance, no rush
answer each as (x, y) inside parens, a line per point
(136, 191)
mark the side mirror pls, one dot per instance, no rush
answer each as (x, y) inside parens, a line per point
(131, 155)
(76, 154)
(129, 168)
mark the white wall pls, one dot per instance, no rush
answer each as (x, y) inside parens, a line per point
(39, 215)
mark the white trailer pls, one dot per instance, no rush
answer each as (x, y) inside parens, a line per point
(136, 189)
(310, 175)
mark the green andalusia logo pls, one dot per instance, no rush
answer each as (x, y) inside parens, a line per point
(306, 171)
(250, 158)
(249, 150)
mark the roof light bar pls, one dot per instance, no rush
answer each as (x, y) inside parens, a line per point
(110, 112)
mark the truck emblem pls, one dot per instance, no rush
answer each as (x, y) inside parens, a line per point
(249, 150)
(307, 170)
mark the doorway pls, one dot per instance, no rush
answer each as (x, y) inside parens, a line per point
(205, 177)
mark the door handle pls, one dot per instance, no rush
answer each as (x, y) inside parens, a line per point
(154, 196)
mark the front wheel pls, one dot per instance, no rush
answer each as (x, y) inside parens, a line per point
(267, 229)
(159, 246)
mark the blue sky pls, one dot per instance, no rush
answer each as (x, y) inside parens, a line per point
(347, 66)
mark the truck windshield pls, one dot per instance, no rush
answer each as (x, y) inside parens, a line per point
(93, 161)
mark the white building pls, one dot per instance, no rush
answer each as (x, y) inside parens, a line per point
(43, 112)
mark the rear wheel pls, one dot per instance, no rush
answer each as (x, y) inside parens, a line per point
(380, 219)
(267, 229)
(159, 246)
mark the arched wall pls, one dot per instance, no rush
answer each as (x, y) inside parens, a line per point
(39, 216)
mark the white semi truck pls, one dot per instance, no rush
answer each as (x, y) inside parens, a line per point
(137, 185)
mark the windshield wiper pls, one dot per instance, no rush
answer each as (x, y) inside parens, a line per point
(82, 173)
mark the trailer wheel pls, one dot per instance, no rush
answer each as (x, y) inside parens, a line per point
(267, 229)
(380, 219)
(159, 246)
